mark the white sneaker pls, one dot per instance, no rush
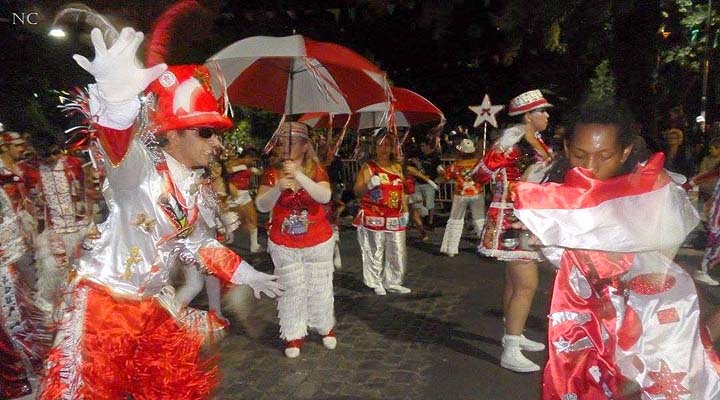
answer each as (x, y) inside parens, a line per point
(330, 342)
(513, 359)
(703, 277)
(380, 291)
(527, 344)
(292, 352)
(398, 289)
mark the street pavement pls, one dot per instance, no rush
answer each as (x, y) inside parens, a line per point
(442, 341)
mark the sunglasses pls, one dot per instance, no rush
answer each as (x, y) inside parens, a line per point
(205, 133)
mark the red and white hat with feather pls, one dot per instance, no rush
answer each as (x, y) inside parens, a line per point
(184, 96)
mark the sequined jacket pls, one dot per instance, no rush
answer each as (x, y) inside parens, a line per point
(159, 212)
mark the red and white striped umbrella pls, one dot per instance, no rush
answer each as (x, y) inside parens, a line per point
(296, 75)
(409, 108)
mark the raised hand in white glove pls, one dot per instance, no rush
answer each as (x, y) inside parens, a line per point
(374, 182)
(433, 185)
(119, 75)
(260, 282)
(440, 169)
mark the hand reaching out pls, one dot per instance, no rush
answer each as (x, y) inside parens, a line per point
(118, 73)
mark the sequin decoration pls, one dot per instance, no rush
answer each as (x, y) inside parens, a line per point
(133, 259)
(144, 223)
(651, 284)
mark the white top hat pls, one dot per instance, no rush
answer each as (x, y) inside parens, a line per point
(466, 146)
(527, 102)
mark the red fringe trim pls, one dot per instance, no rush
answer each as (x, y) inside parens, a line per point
(134, 348)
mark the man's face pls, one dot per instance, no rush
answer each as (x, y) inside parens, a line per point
(426, 148)
(15, 150)
(595, 147)
(198, 147)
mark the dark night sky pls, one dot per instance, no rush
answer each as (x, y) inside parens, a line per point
(447, 51)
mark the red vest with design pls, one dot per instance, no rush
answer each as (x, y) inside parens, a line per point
(297, 219)
(381, 207)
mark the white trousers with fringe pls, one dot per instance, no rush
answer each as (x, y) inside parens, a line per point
(384, 256)
(456, 222)
(307, 275)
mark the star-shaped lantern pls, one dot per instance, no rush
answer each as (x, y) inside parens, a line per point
(667, 383)
(486, 112)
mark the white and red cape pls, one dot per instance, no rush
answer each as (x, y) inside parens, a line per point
(624, 318)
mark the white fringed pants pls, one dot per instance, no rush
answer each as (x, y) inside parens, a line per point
(307, 275)
(456, 222)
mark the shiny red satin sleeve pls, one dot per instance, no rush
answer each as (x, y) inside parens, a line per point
(115, 143)
(219, 260)
(496, 158)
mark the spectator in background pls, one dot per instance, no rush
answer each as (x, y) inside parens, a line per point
(709, 162)
(557, 138)
(674, 143)
(429, 160)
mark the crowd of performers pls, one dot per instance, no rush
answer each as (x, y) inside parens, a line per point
(89, 308)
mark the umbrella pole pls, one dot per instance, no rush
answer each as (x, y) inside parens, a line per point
(290, 106)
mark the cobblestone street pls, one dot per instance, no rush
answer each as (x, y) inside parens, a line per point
(440, 342)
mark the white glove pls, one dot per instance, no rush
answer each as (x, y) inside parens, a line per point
(374, 182)
(119, 75)
(259, 282)
(229, 235)
(255, 171)
(440, 169)
(433, 185)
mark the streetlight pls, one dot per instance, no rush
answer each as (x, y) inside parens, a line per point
(57, 33)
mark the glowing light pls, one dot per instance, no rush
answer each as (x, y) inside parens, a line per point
(57, 33)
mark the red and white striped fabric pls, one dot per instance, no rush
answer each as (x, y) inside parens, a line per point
(296, 75)
(621, 310)
(642, 211)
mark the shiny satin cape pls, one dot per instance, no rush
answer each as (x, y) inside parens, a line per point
(624, 318)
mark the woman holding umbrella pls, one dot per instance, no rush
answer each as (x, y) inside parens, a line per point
(383, 218)
(300, 239)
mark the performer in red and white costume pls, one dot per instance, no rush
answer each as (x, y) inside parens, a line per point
(300, 239)
(624, 319)
(240, 173)
(24, 336)
(122, 334)
(502, 238)
(18, 181)
(67, 213)
(382, 219)
(468, 193)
